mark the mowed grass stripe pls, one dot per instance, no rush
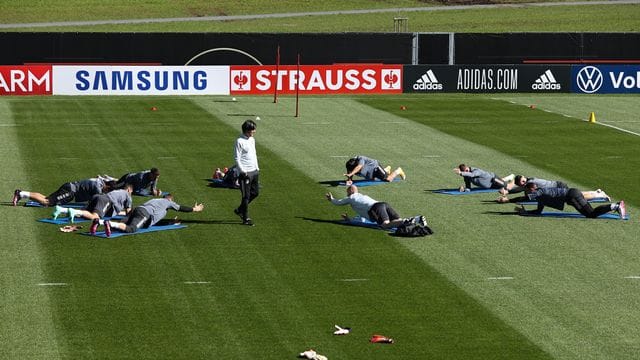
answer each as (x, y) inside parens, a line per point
(475, 238)
(273, 289)
(27, 330)
(586, 155)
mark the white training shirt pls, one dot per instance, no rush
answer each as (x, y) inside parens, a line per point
(245, 154)
(359, 203)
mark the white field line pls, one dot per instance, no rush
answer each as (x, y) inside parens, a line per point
(316, 123)
(619, 129)
(84, 124)
(197, 282)
(340, 156)
(52, 284)
(569, 116)
(352, 280)
(166, 157)
(632, 277)
(312, 13)
(431, 156)
(500, 278)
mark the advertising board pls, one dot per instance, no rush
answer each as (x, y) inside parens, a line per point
(486, 78)
(317, 79)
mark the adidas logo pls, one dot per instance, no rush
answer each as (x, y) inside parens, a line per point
(427, 81)
(546, 81)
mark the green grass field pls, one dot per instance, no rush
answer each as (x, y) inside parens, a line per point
(559, 18)
(487, 285)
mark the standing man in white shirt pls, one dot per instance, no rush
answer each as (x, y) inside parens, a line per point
(247, 164)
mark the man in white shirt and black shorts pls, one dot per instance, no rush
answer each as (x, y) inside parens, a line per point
(248, 170)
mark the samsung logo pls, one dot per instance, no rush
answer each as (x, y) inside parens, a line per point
(141, 80)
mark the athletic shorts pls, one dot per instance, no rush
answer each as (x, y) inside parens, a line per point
(61, 196)
(379, 173)
(100, 204)
(381, 212)
(138, 219)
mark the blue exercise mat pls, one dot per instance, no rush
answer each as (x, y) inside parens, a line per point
(362, 222)
(32, 203)
(594, 200)
(65, 220)
(457, 192)
(364, 182)
(117, 233)
(610, 216)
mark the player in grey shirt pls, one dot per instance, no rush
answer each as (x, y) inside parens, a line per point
(558, 197)
(481, 178)
(145, 215)
(78, 191)
(521, 182)
(116, 202)
(143, 182)
(370, 169)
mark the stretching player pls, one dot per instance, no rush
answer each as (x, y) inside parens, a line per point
(142, 182)
(521, 182)
(481, 178)
(376, 211)
(558, 197)
(144, 216)
(370, 169)
(78, 191)
(116, 202)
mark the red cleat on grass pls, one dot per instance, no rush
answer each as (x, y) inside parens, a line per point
(107, 228)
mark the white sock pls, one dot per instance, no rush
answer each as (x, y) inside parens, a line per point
(25, 194)
(615, 206)
(100, 221)
(64, 210)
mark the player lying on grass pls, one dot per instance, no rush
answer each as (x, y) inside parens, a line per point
(144, 216)
(375, 211)
(520, 183)
(558, 197)
(116, 202)
(229, 176)
(370, 169)
(142, 182)
(77, 191)
(481, 178)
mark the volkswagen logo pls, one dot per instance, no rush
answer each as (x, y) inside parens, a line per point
(589, 79)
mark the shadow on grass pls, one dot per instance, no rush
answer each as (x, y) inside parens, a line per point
(212, 222)
(333, 183)
(501, 213)
(342, 222)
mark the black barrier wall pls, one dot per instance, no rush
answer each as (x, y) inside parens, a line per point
(317, 49)
(179, 48)
(519, 48)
